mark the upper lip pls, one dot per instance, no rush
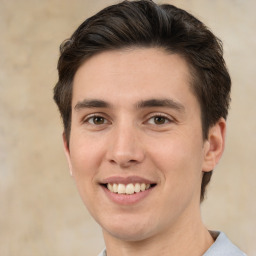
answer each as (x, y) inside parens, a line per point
(126, 180)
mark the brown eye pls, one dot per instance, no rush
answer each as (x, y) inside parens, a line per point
(159, 120)
(97, 120)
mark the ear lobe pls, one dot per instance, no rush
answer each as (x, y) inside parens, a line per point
(214, 146)
(67, 153)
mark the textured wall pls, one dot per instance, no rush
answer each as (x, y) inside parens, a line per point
(40, 210)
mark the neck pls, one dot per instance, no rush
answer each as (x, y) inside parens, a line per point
(189, 238)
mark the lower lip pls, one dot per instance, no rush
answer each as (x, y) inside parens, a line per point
(125, 199)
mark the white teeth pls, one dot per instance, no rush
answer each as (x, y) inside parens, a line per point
(121, 189)
(110, 187)
(128, 189)
(115, 188)
(143, 187)
(137, 187)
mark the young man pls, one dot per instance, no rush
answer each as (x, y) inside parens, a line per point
(144, 92)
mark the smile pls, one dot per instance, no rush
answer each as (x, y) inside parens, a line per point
(128, 189)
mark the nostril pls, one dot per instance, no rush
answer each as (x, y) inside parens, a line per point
(123, 162)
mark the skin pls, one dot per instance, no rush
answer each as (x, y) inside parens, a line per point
(163, 144)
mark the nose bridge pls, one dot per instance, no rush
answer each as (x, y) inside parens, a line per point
(125, 148)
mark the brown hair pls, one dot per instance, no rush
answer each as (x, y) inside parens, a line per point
(146, 24)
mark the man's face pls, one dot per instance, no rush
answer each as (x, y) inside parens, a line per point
(136, 129)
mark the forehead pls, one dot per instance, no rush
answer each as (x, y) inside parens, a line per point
(132, 74)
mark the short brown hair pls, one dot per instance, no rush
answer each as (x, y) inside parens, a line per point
(145, 24)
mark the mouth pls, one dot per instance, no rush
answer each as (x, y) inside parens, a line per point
(128, 189)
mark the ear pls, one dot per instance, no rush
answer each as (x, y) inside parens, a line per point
(214, 145)
(67, 152)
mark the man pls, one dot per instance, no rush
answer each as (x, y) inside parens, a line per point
(144, 93)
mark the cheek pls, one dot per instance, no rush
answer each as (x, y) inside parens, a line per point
(179, 159)
(86, 153)
(84, 166)
(179, 166)
(86, 156)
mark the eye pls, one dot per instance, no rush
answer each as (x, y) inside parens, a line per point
(96, 120)
(158, 120)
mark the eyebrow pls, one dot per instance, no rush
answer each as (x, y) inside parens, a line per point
(96, 103)
(168, 103)
(91, 104)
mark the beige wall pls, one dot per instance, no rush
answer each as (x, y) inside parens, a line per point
(40, 210)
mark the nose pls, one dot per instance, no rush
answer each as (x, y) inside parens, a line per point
(125, 147)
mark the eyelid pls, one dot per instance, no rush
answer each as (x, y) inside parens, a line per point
(98, 114)
(159, 114)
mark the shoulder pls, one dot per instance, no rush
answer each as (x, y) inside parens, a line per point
(103, 253)
(223, 246)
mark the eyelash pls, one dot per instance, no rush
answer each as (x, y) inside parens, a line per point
(167, 119)
(93, 117)
(90, 119)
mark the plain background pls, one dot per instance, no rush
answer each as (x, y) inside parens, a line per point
(40, 210)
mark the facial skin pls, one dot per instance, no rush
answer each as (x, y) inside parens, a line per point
(134, 114)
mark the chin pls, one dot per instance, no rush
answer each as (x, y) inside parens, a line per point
(129, 230)
(130, 235)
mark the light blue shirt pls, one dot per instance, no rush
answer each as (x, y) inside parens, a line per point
(221, 247)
